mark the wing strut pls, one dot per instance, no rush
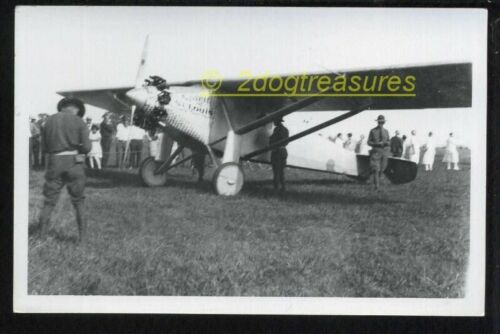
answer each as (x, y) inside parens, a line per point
(278, 113)
(165, 165)
(308, 131)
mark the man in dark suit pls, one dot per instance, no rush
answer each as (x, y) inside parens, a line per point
(107, 131)
(397, 146)
(279, 154)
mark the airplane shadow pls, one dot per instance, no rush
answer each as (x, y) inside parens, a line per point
(262, 189)
(112, 178)
(103, 179)
(305, 182)
(259, 190)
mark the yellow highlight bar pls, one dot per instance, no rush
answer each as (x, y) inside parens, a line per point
(308, 95)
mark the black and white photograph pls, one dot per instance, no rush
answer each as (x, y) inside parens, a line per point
(250, 160)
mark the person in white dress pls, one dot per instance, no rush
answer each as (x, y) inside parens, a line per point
(361, 146)
(349, 144)
(413, 148)
(429, 153)
(451, 153)
(95, 153)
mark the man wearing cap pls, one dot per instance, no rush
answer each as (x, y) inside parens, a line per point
(66, 141)
(279, 154)
(379, 141)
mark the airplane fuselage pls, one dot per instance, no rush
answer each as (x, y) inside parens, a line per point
(196, 120)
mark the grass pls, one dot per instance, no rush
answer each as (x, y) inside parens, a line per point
(326, 236)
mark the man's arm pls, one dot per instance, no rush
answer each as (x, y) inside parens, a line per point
(84, 139)
(371, 140)
(387, 140)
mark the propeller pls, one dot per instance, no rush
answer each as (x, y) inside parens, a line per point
(139, 78)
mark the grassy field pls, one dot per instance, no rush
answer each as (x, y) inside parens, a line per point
(326, 236)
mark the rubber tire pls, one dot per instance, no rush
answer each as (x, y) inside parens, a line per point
(146, 170)
(220, 176)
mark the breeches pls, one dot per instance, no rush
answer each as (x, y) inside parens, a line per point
(378, 160)
(63, 170)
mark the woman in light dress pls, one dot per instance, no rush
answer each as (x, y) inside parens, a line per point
(451, 153)
(412, 149)
(95, 153)
(429, 153)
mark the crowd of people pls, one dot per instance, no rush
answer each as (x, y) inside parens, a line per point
(102, 135)
(406, 147)
(118, 130)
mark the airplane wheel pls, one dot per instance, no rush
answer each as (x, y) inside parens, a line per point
(228, 179)
(148, 177)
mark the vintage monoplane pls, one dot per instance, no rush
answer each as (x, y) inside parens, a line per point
(214, 117)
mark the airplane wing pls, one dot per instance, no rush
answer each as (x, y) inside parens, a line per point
(434, 86)
(108, 98)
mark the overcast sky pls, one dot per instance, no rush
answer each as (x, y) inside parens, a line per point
(69, 48)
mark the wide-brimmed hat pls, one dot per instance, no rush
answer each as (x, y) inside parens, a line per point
(72, 101)
(380, 118)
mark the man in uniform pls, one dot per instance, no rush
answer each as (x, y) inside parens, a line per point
(397, 145)
(279, 154)
(66, 141)
(379, 141)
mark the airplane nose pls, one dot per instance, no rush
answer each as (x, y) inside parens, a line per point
(137, 96)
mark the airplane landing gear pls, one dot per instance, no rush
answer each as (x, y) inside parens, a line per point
(228, 179)
(148, 176)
